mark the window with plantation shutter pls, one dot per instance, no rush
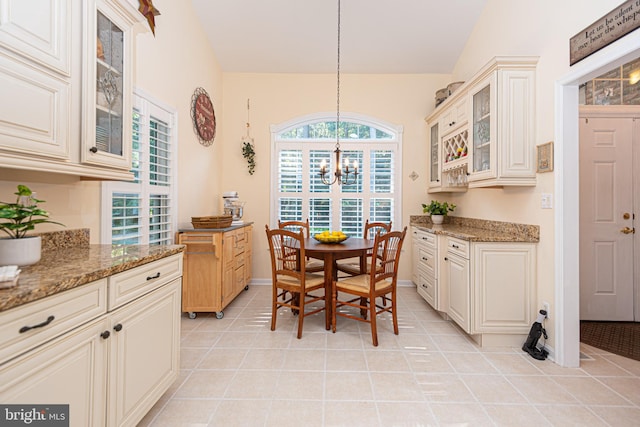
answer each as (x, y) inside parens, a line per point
(143, 211)
(298, 148)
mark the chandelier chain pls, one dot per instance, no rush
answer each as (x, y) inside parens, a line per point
(338, 87)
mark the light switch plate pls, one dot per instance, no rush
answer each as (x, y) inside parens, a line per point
(547, 201)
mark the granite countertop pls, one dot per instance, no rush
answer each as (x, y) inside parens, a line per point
(68, 267)
(215, 230)
(478, 230)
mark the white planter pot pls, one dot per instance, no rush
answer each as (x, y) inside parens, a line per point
(437, 219)
(25, 251)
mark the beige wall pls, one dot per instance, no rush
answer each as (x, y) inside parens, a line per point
(542, 29)
(169, 67)
(275, 98)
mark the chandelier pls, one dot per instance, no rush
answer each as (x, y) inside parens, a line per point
(346, 174)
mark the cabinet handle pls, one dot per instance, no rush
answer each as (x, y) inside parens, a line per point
(39, 325)
(154, 277)
(425, 259)
(437, 180)
(455, 246)
(452, 123)
(94, 150)
(446, 259)
(105, 335)
(118, 327)
(425, 238)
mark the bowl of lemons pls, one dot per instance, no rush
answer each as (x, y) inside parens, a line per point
(330, 237)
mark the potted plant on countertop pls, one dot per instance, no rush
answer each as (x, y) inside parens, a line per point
(19, 218)
(438, 210)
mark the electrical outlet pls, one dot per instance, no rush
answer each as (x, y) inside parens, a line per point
(545, 307)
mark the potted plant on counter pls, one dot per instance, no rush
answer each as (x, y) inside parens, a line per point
(438, 210)
(17, 219)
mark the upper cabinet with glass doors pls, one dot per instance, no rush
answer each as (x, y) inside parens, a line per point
(107, 82)
(484, 135)
(502, 124)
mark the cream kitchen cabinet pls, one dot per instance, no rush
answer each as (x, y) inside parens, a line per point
(109, 359)
(485, 134)
(35, 78)
(425, 267)
(217, 268)
(107, 83)
(457, 272)
(50, 70)
(502, 127)
(487, 288)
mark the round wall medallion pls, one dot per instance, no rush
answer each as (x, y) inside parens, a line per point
(204, 117)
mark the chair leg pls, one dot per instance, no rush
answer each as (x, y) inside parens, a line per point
(394, 313)
(274, 308)
(301, 297)
(374, 327)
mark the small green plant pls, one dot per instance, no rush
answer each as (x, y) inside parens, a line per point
(437, 208)
(249, 153)
(23, 215)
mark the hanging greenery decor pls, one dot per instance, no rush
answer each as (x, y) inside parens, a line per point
(248, 149)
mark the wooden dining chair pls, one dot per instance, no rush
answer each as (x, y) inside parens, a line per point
(313, 265)
(360, 292)
(351, 266)
(290, 278)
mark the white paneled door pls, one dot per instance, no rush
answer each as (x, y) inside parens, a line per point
(607, 217)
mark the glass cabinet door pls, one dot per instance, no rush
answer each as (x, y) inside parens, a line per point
(109, 86)
(434, 153)
(482, 129)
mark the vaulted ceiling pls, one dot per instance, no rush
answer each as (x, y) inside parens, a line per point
(300, 36)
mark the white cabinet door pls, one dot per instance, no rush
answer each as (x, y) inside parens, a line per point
(35, 58)
(38, 30)
(69, 370)
(504, 284)
(459, 292)
(144, 353)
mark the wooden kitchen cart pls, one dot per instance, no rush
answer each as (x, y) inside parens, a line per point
(217, 267)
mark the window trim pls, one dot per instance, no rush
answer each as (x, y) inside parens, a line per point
(345, 144)
(142, 101)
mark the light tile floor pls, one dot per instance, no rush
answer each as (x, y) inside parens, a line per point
(236, 372)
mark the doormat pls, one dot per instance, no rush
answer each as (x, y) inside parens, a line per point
(621, 338)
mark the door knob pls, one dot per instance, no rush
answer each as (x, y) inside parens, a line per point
(628, 230)
(626, 215)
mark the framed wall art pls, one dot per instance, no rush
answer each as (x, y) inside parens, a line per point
(545, 157)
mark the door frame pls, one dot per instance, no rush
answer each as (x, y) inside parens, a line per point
(566, 186)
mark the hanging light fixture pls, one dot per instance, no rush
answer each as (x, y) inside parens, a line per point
(342, 175)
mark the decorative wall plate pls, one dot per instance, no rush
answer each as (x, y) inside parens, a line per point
(204, 117)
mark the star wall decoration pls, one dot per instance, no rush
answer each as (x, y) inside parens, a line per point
(150, 12)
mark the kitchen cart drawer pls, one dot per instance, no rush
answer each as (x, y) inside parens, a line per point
(458, 247)
(131, 284)
(35, 323)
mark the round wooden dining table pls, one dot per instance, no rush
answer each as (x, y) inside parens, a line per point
(331, 252)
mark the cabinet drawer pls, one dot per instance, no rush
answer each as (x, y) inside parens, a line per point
(427, 260)
(67, 310)
(130, 284)
(239, 261)
(458, 247)
(427, 289)
(424, 238)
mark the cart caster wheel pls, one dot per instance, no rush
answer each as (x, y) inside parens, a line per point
(246, 288)
(219, 315)
(192, 315)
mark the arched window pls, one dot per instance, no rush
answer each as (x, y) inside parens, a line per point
(298, 147)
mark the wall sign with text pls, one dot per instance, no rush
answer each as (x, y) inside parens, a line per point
(617, 23)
